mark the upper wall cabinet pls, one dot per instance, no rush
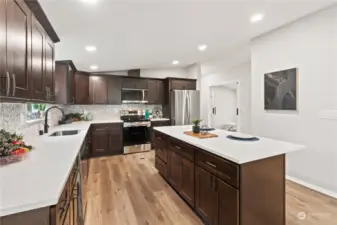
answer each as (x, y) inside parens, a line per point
(82, 88)
(15, 49)
(105, 90)
(65, 86)
(183, 84)
(134, 83)
(26, 55)
(156, 91)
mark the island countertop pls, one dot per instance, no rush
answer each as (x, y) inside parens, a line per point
(239, 152)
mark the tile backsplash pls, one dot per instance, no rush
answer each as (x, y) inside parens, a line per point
(13, 116)
(103, 112)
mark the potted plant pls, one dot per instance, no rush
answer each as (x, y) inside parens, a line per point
(196, 127)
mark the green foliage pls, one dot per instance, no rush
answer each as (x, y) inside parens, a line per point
(197, 122)
(9, 142)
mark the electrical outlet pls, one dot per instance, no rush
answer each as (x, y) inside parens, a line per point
(328, 114)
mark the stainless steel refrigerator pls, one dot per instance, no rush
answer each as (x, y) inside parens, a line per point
(185, 106)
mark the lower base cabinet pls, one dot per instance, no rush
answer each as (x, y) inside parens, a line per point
(187, 183)
(107, 139)
(206, 198)
(228, 203)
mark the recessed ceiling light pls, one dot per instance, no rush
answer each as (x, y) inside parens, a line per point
(94, 67)
(202, 48)
(256, 18)
(175, 62)
(89, 1)
(91, 48)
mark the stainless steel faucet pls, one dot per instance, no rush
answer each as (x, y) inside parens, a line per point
(46, 117)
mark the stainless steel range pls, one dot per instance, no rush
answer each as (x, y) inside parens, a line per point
(136, 131)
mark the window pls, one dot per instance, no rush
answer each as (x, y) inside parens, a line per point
(35, 111)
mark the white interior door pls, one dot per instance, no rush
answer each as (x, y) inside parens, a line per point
(224, 107)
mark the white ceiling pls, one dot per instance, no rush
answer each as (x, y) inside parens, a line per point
(151, 33)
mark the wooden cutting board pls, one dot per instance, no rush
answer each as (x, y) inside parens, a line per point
(200, 136)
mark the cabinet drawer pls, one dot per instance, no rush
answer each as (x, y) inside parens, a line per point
(161, 167)
(222, 168)
(107, 126)
(160, 123)
(160, 148)
(182, 149)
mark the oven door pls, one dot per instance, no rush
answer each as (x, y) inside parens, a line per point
(136, 139)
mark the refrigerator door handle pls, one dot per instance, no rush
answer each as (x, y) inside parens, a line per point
(190, 108)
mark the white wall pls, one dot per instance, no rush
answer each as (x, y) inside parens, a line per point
(163, 73)
(309, 44)
(219, 74)
(194, 72)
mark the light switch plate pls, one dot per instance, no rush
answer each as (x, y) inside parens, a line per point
(328, 114)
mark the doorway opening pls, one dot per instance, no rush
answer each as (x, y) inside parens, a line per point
(224, 111)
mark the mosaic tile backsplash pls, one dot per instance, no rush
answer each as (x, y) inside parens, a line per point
(13, 116)
(104, 112)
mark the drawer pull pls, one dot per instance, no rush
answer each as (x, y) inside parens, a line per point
(176, 146)
(211, 164)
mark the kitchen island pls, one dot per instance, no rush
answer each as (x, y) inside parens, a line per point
(226, 182)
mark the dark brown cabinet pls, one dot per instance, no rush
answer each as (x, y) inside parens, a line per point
(180, 172)
(174, 173)
(98, 90)
(107, 139)
(155, 91)
(65, 86)
(182, 84)
(49, 81)
(228, 203)
(206, 197)
(187, 183)
(134, 83)
(15, 49)
(82, 88)
(38, 53)
(43, 66)
(114, 90)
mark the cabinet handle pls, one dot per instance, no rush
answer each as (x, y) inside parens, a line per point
(14, 84)
(176, 146)
(211, 164)
(8, 83)
(47, 93)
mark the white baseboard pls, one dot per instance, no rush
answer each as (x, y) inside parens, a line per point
(313, 187)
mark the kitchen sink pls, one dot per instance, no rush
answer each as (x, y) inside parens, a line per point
(64, 133)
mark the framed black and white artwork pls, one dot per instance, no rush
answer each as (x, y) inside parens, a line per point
(280, 90)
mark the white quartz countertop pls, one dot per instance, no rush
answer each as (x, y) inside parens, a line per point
(160, 119)
(239, 152)
(38, 181)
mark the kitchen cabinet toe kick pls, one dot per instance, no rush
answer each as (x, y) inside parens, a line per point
(219, 191)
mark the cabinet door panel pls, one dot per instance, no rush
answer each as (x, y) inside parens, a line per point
(3, 75)
(187, 184)
(19, 47)
(116, 143)
(160, 92)
(100, 142)
(152, 91)
(38, 54)
(50, 69)
(228, 204)
(174, 174)
(98, 90)
(114, 90)
(206, 196)
(82, 88)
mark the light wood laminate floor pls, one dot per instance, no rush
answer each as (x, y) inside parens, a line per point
(127, 190)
